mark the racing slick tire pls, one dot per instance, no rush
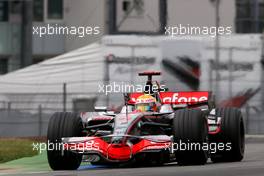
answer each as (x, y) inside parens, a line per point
(231, 131)
(63, 124)
(190, 127)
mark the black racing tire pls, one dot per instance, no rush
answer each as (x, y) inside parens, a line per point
(190, 127)
(63, 124)
(232, 132)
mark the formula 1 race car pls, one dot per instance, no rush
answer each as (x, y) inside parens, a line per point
(153, 128)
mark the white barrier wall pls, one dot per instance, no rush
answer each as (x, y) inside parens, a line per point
(239, 66)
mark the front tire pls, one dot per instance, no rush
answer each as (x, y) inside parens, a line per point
(189, 127)
(63, 124)
(232, 132)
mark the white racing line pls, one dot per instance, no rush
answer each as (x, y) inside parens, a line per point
(24, 173)
(32, 172)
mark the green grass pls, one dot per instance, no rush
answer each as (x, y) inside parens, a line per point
(15, 148)
(35, 163)
(17, 156)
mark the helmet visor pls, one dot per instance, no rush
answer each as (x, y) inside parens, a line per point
(143, 107)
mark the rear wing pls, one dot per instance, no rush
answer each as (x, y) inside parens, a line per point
(190, 98)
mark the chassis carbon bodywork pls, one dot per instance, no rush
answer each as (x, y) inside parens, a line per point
(131, 134)
(128, 137)
(139, 137)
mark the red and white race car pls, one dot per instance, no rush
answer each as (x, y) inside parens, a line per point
(155, 128)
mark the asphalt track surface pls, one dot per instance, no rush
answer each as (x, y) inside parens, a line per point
(252, 165)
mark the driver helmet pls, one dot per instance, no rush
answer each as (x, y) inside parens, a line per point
(146, 103)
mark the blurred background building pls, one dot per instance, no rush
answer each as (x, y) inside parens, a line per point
(113, 17)
(69, 80)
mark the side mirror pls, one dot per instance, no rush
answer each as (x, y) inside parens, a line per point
(166, 108)
(110, 113)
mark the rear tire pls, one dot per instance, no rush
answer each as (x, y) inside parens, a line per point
(63, 124)
(190, 126)
(232, 131)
